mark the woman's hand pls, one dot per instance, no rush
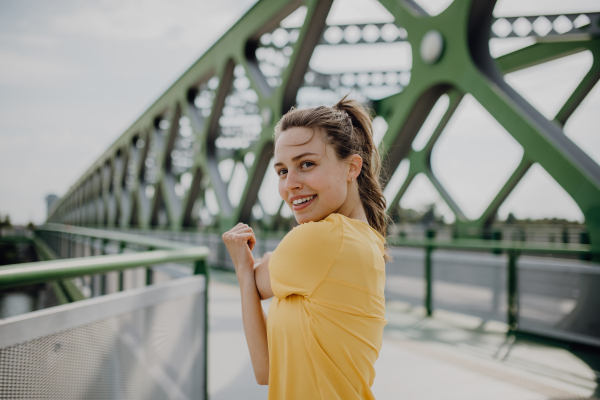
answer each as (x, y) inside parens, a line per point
(240, 241)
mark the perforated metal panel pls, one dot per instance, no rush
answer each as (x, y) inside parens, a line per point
(141, 344)
(551, 296)
(470, 283)
(405, 280)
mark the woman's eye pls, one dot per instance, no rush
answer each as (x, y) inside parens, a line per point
(281, 172)
(307, 164)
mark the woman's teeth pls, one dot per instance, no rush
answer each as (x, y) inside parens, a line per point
(300, 201)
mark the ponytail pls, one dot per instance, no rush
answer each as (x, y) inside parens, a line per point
(347, 126)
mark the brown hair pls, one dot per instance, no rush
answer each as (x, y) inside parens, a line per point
(347, 127)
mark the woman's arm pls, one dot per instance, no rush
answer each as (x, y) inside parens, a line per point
(262, 277)
(239, 241)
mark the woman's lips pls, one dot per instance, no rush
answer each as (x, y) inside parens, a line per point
(304, 205)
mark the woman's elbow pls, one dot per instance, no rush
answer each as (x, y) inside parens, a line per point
(262, 380)
(262, 374)
(264, 296)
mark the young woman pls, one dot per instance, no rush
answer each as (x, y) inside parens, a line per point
(327, 275)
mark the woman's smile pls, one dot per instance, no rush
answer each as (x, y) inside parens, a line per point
(301, 202)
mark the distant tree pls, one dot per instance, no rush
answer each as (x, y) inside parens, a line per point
(31, 226)
(408, 215)
(511, 219)
(6, 223)
(429, 216)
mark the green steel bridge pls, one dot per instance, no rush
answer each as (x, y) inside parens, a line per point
(152, 208)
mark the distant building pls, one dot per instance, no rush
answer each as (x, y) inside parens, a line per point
(50, 199)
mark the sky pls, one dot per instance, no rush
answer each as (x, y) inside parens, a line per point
(74, 75)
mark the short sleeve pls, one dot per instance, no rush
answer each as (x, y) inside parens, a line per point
(303, 258)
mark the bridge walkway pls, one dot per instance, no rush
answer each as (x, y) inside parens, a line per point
(450, 355)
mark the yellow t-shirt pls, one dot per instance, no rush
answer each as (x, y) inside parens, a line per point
(326, 320)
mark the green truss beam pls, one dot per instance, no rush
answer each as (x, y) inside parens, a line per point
(114, 191)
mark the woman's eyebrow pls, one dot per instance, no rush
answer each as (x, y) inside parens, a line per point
(297, 157)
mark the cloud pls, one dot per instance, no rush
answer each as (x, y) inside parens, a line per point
(28, 70)
(183, 22)
(31, 169)
(32, 39)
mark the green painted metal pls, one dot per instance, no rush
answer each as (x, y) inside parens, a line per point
(44, 271)
(65, 290)
(467, 67)
(59, 292)
(114, 190)
(512, 289)
(43, 250)
(71, 291)
(428, 281)
(201, 268)
(114, 236)
(479, 244)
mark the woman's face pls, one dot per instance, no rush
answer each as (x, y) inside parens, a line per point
(312, 180)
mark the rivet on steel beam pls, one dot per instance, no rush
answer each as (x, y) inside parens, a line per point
(432, 47)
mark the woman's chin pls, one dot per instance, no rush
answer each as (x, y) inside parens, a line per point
(302, 218)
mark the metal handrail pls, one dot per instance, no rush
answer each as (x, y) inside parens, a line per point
(44, 271)
(458, 244)
(114, 236)
(480, 244)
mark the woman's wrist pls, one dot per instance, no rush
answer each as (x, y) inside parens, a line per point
(245, 275)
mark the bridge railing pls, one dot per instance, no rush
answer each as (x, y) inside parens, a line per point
(534, 287)
(531, 294)
(150, 341)
(54, 241)
(572, 275)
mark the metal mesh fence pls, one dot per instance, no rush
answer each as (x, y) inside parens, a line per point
(154, 352)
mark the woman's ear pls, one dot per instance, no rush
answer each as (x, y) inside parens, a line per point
(355, 164)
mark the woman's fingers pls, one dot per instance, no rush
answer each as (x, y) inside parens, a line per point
(239, 237)
(242, 228)
(252, 241)
(239, 227)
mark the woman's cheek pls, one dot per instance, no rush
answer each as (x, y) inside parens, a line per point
(281, 188)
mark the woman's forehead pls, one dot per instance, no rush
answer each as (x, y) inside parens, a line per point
(295, 141)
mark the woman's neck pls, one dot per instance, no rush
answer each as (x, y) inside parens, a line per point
(352, 207)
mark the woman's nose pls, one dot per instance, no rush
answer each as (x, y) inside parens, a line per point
(292, 182)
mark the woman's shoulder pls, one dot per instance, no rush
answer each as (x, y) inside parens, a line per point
(327, 225)
(326, 233)
(304, 256)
